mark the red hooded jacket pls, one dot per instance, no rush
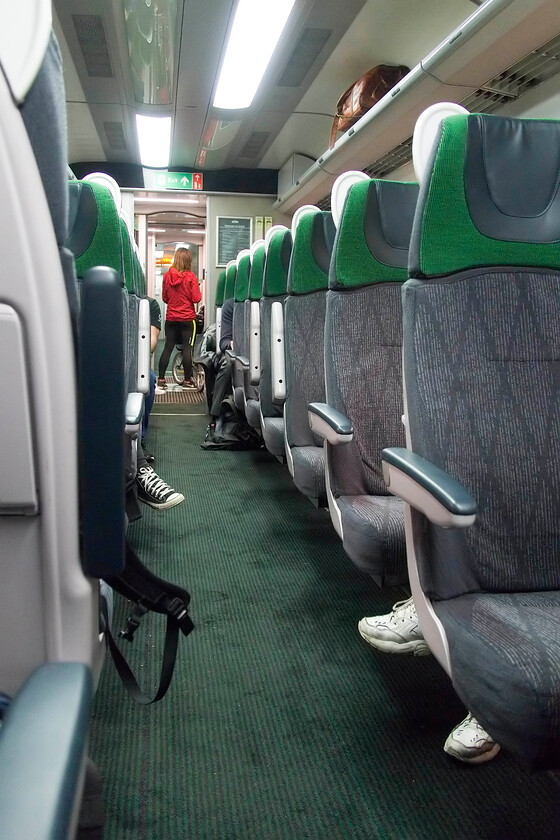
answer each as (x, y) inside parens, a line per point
(180, 292)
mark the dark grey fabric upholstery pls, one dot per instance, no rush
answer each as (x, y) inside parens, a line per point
(304, 323)
(505, 654)
(482, 367)
(363, 334)
(373, 528)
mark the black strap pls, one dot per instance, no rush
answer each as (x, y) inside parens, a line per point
(167, 665)
(149, 593)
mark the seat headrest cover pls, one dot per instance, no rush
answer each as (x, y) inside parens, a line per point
(242, 278)
(277, 262)
(257, 272)
(231, 274)
(491, 196)
(311, 253)
(340, 189)
(300, 212)
(425, 132)
(220, 288)
(102, 243)
(373, 235)
(129, 268)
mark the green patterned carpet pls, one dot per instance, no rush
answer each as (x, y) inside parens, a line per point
(280, 722)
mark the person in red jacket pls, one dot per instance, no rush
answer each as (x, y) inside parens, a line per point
(180, 292)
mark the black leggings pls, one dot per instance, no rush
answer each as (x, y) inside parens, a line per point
(178, 332)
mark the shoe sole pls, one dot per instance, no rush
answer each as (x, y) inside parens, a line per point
(416, 648)
(163, 505)
(476, 759)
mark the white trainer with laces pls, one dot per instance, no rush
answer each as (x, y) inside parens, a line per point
(153, 491)
(471, 743)
(396, 632)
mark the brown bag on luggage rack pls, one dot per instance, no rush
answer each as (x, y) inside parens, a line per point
(363, 94)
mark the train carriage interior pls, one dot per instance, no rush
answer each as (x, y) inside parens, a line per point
(280, 355)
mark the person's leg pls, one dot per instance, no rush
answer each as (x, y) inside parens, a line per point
(151, 489)
(187, 338)
(222, 387)
(148, 403)
(171, 339)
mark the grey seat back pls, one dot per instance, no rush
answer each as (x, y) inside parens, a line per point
(304, 325)
(363, 330)
(482, 377)
(275, 282)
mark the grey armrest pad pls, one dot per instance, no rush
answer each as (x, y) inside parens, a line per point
(230, 354)
(446, 490)
(42, 747)
(338, 422)
(243, 361)
(134, 408)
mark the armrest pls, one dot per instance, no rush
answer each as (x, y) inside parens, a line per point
(230, 354)
(330, 424)
(144, 352)
(427, 488)
(42, 749)
(133, 412)
(242, 362)
(277, 359)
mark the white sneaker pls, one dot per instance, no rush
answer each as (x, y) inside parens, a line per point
(471, 743)
(396, 632)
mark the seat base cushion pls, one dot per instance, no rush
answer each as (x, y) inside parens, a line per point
(505, 661)
(373, 536)
(253, 414)
(309, 471)
(273, 434)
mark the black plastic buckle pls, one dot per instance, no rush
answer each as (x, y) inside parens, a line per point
(133, 622)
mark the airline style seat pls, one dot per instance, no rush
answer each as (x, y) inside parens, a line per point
(239, 332)
(49, 556)
(363, 334)
(253, 325)
(304, 326)
(481, 475)
(275, 281)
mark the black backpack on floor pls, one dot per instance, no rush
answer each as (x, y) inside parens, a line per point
(231, 430)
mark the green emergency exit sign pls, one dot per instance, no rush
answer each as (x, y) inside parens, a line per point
(178, 180)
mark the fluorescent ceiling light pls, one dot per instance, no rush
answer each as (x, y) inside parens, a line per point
(256, 30)
(157, 230)
(195, 230)
(154, 138)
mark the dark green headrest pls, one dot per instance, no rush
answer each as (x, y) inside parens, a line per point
(277, 262)
(95, 234)
(242, 278)
(374, 234)
(490, 196)
(256, 275)
(231, 274)
(311, 253)
(220, 288)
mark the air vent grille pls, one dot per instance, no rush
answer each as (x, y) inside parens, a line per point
(93, 43)
(115, 135)
(254, 144)
(303, 55)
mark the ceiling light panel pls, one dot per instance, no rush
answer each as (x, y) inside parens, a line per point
(256, 31)
(154, 138)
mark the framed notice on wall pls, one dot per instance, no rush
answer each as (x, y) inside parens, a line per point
(233, 234)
